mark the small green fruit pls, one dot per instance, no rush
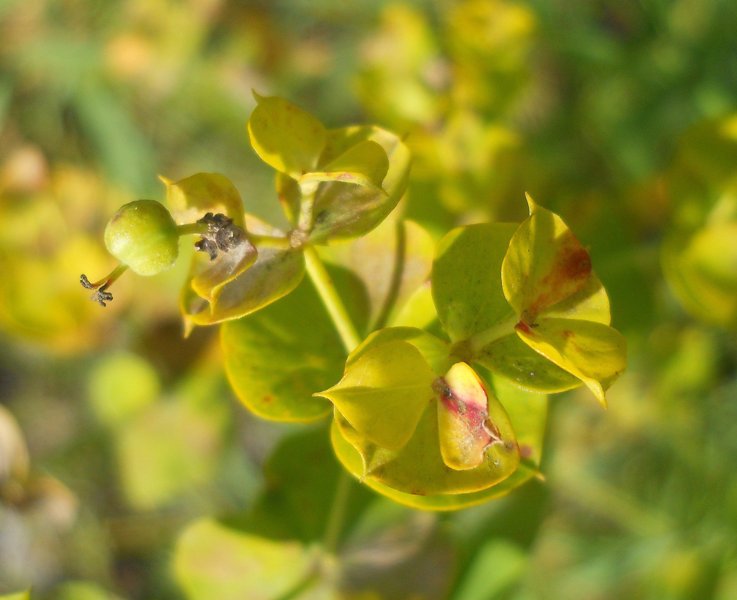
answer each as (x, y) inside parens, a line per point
(143, 236)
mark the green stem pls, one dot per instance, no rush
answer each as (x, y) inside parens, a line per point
(482, 339)
(191, 229)
(330, 298)
(308, 190)
(337, 513)
(350, 338)
(269, 241)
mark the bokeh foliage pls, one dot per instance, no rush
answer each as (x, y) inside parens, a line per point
(618, 115)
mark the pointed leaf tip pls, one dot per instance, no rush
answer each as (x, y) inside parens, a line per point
(532, 205)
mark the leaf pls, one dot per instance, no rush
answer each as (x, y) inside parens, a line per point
(593, 352)
(528, 414)
(286, 137)
(364, 164)
(190, 198)
(274, 274)
(465, 426)
(544, 265)
(212, 560)
(384, 392)
(466, 279)
(208, 278)
(511, 358)
(590, 303)
(392, 262)
(344, 210)
(433, 349)
(418, 467)
(276, 358)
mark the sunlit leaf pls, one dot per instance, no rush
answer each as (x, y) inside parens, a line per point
(384, 392)
(418, 467)
(433, 349)
(466, 279)
(276, 359)
(364, 164)
(286, 137)
(212, 560)
(544, 264)
(275, 273)
(511, 358)
(593, 352)
(344, 210)
(190, 198)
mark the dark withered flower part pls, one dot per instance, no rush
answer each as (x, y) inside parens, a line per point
(86, 282)
(207, 245)
(222, 234)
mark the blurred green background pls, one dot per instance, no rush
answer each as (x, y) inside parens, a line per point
(115, 433)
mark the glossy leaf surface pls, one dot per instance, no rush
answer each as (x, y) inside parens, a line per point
(418, 468)
(286, 137)
(544, 264)
(274, 274)
(364, 164)
(511, 358)
(466, 283)
(433, 349)
(345, 210)
(593, 352)
(527, 412)
(276, 358)
(384, 392)
(190, 198)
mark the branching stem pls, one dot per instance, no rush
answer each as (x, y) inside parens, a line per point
(330, 298)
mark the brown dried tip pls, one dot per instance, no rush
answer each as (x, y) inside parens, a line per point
(101, 295)
(222, 235)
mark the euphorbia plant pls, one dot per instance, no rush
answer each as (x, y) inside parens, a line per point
(450, 350)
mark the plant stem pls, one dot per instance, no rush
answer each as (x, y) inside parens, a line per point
(308, 190)
(191, 229)
(482, 339)
(337, 512)
(330, 298)
(350, 338)
(269, 241)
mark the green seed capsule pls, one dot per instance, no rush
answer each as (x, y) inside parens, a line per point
(143, 236)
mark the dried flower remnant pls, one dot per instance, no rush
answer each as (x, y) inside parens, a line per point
(221, 235)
